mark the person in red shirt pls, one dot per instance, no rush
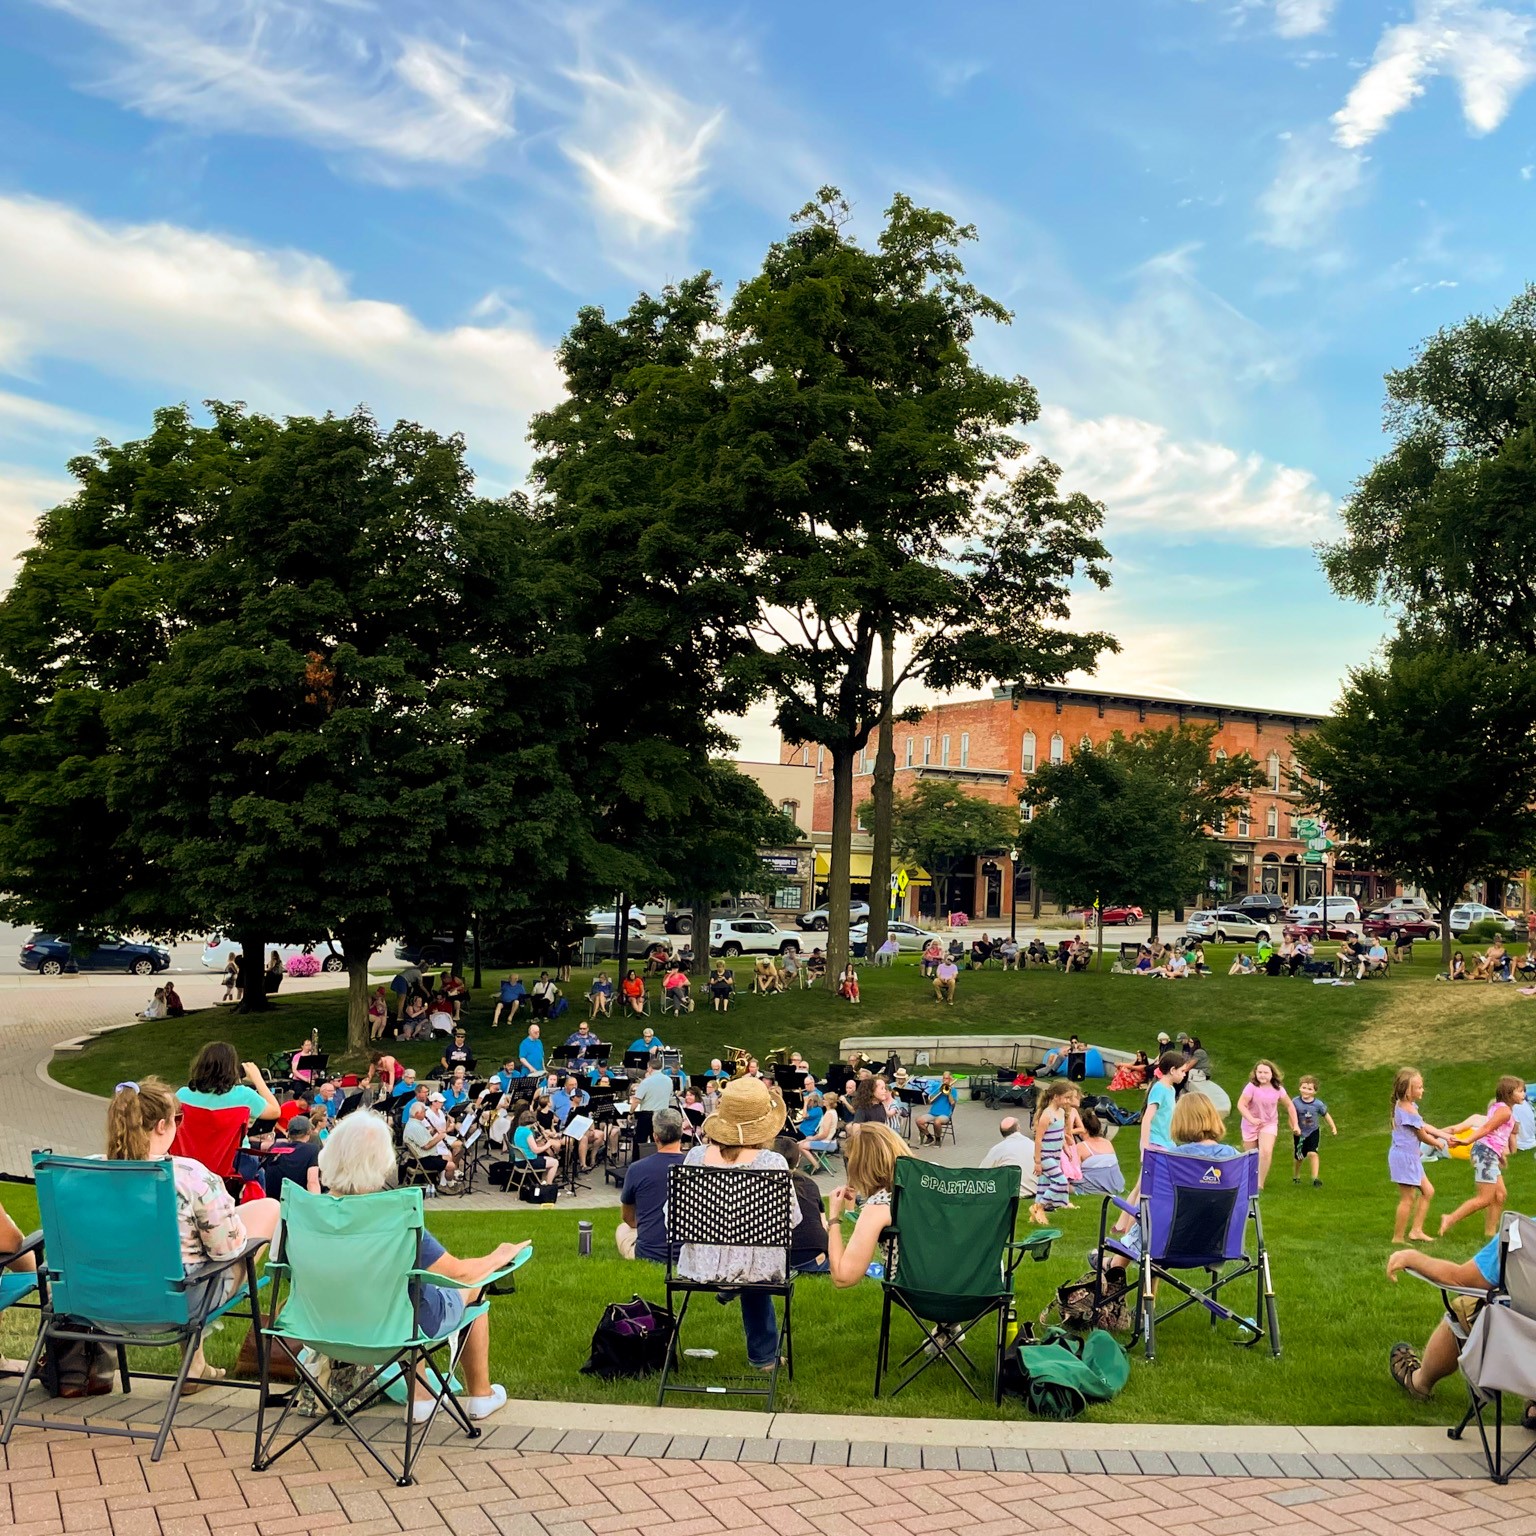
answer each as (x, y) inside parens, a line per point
(634, 991)
(288, 1109)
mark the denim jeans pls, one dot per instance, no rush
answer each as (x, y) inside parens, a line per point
(761, 1327)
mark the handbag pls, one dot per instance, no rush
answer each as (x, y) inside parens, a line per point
(631, 1339)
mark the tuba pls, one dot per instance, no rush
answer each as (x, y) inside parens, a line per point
(739, 1060)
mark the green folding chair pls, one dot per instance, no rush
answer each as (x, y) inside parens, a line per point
(113, 1275)
(950, 1262)
(354, 1277)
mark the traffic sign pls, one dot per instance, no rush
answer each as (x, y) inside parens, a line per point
(899, 882)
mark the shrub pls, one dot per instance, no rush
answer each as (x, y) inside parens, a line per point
(1484, 931)
(303, 965)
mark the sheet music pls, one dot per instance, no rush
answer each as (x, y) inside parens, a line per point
(578, 1126)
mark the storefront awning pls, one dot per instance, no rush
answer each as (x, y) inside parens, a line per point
(858, 868)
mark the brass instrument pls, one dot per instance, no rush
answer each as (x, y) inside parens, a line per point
(739, 1060)
(779, 1056)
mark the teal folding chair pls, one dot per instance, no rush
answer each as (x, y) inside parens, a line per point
(19, 1287)
(352, 1268)
(113, 1275)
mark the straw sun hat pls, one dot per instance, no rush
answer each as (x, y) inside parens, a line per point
(749, 1114)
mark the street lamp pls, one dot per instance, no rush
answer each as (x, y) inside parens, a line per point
(1013, 895)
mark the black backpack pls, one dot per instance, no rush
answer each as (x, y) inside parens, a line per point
(631, 1339)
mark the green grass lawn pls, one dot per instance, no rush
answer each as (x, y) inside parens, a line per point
(1338, 1313)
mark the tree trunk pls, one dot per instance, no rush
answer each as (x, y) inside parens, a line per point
(1445, 932)
(1155, 915)
(456, 965)
(842, 845)
(253, 975)
(621, 935)
(940, 893)
(882, 794)
(357, 1001)
(474, 929)
(703, 916)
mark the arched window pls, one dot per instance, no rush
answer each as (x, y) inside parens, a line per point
(1085, 744)
(1221, 754)
(1274, 771)
(1027, 756)
(1058, 747)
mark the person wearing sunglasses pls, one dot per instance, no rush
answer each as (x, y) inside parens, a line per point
(141, 1124)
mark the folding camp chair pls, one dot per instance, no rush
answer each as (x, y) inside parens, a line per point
(746, 1208)
(950, 1261)
(18, 1287)
(214, 1138)
(354, 1277)
(1498, 1349)
(113, 1275)
(1194, 1214)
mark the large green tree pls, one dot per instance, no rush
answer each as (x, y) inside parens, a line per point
(260, 660)
(1429, 762)
(942, 826)
(1441, 527)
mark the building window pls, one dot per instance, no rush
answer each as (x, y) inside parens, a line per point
(789, 808)
(1272, 822)
(1274, 771)
(1058, 747)
(1221, 754)
(789, 898)
(908, 763)
(1221, 824)
(1085, 744)
(943, 751)
(821, 762)
(1026, 812)
(1242, 822)
(1027, 756)
(965, 749)
(927, 750)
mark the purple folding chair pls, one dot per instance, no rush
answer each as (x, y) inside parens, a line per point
(1194, 1215)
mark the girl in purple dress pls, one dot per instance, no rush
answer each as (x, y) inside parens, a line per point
(1405, 1162)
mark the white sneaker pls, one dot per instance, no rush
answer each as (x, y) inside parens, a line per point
(484, 1407)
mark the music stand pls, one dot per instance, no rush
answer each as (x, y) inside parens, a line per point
(637, 1061)
(838, 1074)
(353, 1102)
(573, 1130)
(789, 1079)
(701, 1080)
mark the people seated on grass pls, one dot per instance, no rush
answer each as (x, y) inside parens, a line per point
(1008, 952)
(808, 1240)
(722, 988)
(155, 1007)
(848, 984)
(142, 1119)
(642, 1229)
(1196, 1057)
(815, 967)
(740, 1136)
(945, 978)
(676, 991)
(1079, 955)
(1013, 1150)
(1375, 961)
(538, 1146)
(359, 1159)
(545, 999)
(817, 1127)
(1096, 1159)
(981, 952)
(933, 953)
(600, 996)
(632, 990)
(790, 969)
(1131, 1074)
(872, 1152)
(439, 1015)
(1418, 1371)
(941, 1109)
(432, 1147)
(889, 949)
(1242, 965)
(1060, 1056)
(1037, 954)
(763, 976)
(658, 956)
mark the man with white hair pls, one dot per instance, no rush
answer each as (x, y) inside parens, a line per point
(1015, 1150)
(432, 1148)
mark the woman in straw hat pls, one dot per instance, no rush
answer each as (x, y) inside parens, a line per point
(746, 1121)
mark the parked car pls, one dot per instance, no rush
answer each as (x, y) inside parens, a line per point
(1318, 933)
(1403, 904)
(1112, 916)
(1225, 925)
(1401, 922)
(907, 935)
(1344, 909)
(218, 949)
(733, 936)
(602, 917)
(816, 922)
(681, 921)
(53, 954)
(1263, 905)
(1468, 912)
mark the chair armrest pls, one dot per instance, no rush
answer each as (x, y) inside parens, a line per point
(211, 1267)
(490, 1283)
(1128, 1206)
(31, 1243)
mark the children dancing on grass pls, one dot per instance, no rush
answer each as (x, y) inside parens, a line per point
(1053, 1113)
(1490, 1152)
(1405, 1160)
(1309, 1115)
(1259, 1105)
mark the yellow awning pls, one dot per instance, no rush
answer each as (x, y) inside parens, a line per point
(858, 867)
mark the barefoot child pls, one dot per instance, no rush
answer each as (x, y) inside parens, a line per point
(1259, 1106)
(1051, 1190)
(1490, 1150)
(1311, 1115)
(1405, 1163)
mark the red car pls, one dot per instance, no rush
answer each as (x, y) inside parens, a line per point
(1407, 924)
(1314, 931)
(1112, 917)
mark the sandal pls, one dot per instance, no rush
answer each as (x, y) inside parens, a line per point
(212, 1376)
(1404, 1363)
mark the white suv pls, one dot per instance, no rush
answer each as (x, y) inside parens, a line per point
(218, 949)
(733, 936)
(1341, 909)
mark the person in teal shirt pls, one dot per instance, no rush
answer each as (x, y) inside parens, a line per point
(531, 1053)
(1157, 1117)
(647, 1041)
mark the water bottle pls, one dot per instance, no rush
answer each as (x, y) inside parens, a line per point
(584, 1239)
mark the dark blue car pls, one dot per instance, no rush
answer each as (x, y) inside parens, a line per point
(53, 954)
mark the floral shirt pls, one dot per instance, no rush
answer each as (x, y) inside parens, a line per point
(210, 1223)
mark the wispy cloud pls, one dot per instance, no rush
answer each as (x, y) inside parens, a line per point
(1152, 483)
(24, 495)
(1316, 180)
(1302, 18)
(1485, 49)
(303, 71)
(198, 315)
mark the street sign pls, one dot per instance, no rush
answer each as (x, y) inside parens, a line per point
(1309, 857)
(1320, 844)
(1306, 826)
(900, 882)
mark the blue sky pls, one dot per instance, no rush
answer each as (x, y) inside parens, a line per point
(1217, 222)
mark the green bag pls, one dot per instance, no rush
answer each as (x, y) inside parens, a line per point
(1062, 1372)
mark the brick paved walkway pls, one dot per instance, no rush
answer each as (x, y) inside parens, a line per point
(204, 1487)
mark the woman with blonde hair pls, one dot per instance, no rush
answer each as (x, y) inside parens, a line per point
(141, 1125)
(872, 1152)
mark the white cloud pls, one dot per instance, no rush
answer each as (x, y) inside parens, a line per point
(1302, 18)
(199, 315)
(641, 147)
(37, 416)
(285, 68)
(1485, 49)
(24, 494)
(1315, 181)
(1153, 483)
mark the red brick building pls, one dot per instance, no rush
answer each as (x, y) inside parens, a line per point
(992, 745)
